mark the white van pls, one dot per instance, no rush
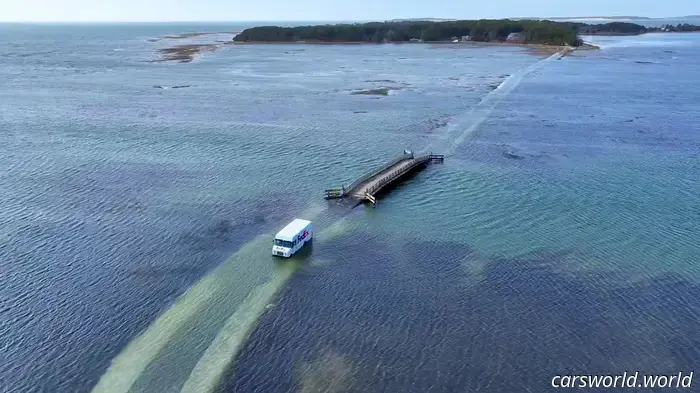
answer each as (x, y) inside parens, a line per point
(291, 238)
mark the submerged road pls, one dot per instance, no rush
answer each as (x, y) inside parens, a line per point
(193, 342)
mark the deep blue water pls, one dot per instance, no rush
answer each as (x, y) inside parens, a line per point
(560, 235)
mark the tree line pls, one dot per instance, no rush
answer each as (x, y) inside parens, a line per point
(612, 28)
(484, 30)
(529, 31)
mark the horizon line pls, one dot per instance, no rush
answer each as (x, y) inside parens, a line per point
(334, 20)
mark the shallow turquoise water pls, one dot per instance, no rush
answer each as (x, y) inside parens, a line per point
(561, 232)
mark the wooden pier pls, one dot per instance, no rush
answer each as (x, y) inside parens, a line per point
(368, 186)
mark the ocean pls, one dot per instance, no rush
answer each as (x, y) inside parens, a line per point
(560, 236)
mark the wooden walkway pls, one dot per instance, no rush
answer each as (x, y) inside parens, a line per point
(368, 186)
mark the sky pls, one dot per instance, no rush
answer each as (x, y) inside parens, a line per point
(327, 10)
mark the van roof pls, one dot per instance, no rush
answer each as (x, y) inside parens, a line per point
(292, 229)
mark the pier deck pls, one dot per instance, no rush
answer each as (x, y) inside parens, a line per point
(366, 187)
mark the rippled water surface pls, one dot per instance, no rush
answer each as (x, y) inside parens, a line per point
(559, 236)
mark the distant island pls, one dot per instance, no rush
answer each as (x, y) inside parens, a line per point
(543, 32)
(624, 28)
(543, 37)
(423, 20)
(526, 31)
(607, 18)
(680, 28)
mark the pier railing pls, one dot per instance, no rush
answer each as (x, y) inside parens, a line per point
(383, 181)
(335, 193)
(376, 171)
(393, 176)
(401, 171)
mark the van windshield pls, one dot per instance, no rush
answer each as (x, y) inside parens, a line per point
(283, 243)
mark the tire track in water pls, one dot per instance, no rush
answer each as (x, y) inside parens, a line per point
(129, 366)
(216, 360)
(469, 122)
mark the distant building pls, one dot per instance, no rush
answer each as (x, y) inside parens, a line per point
(466, 38)
(515, 37)
(415, 40)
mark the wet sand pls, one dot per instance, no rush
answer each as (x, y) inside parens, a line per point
(184, 53)
(535, 49)
(185, 36)
(185, 47)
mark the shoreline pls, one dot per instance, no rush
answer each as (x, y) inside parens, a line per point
(472, 43)
(538, 49)
(385, 43)
(189, 50)
(307, 42)
(186, 53)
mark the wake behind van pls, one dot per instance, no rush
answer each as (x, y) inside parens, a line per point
(291, 238)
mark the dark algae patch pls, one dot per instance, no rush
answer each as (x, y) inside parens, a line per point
(427, 316)
(384, 91)
(513, 155)
(171, 87)
(380, 91)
